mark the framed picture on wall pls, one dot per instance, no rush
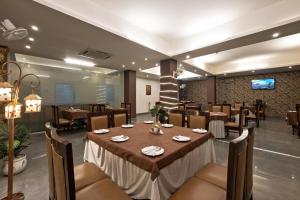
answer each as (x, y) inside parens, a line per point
(148, 89)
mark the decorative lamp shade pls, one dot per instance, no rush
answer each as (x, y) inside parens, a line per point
(33, 103)
(5, 91)
(9, 108)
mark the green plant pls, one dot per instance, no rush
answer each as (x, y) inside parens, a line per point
(158, 112)
(155, 111)
(21, 139)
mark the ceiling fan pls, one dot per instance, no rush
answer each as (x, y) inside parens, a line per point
(10, 32)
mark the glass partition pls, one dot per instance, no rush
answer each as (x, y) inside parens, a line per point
(69, 87)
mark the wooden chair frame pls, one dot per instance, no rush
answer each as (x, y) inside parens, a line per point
(95, 114)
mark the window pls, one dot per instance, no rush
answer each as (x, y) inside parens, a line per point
(64, 94)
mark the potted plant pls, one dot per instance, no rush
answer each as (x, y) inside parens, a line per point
(158, 113)
(21, 142)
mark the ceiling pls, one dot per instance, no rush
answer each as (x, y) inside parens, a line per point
(132, 30)
(175, 26)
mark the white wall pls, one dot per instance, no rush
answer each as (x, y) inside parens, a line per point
(142, 100)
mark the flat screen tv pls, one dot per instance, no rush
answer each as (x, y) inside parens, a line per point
(263, 84)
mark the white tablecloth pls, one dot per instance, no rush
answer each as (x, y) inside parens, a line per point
(217, 128)
(137, 183)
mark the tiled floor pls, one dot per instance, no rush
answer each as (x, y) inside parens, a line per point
(276, 163)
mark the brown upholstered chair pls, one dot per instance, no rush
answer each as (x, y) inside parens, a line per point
(226, 108)
(252, 115)
(97, 107)
(197, 121)
(298, 117)
(217, 174)
(236, 126)
(217, 108)
(199, 189)
(65, 182)
(238, 105)
(176, 117)
(97, 120)
(119, 117)
(128, 107)
(85, 174)
(57, 121)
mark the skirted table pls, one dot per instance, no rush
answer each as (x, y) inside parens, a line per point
(144, 177)
(216, 124)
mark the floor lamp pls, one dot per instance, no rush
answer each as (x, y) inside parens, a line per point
(10, 94)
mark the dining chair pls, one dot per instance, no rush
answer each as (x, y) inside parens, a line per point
(236, 126)
(262, 110)
(181, 106)
(226, 108)
(217, 174)
(252, 115)
(57, 120)
(217, 108)
(84, 174)
(197, 121)
(199, 189)
(209, 106)
(237, 105)
(119, 117)
(176, 117)
(298, 117)
(97, 120)
(128, 107)
(65, 181)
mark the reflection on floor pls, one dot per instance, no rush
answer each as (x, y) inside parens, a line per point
(276, 162)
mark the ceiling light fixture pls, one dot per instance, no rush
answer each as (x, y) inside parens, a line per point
(31, 39)
(180, 65)
(275, 35)
(35, 28)
(156, 64)
(187, 56)
(147, 75)
(140, 69)
(146, 59)
(27, 46)
(79, 62)
(123, 66)
(133, 62)
(206, 74)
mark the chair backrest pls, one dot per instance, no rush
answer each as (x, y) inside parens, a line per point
(97, 120)
(55, 116)
(196, 121)
(237, 105)
(236, 168)
(216, 108)
(181, 106)
(209, 106)
(226, 108)
(119, 117)
(50, 162)
(63, 168)
(249, 165)
(176, 117)
(127, 106)
(242, 119)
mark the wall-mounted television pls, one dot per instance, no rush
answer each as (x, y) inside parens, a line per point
(263, 84)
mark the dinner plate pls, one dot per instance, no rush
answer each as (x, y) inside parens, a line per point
(119, 138)
(148, 122)
(181, 138)
(199, 130)
(101, 131)
(127, 125)
(153, 151)
(167, 125)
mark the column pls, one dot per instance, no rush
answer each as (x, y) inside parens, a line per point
(168, 84)
(211, 89)
(130, 90)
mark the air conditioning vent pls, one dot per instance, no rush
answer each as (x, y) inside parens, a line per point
(94, 54)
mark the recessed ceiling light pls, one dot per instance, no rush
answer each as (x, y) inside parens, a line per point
(187, 56)
(27, 46)
(275, 35)
(253, 71)
(133, 62)
(123, 66)
(140, 69)
(147, 75)
(206, 74)
(31, 39)
(180, 65)
(79, 62)
(156, 64)
(146, 59)
(290, 67)
(35, 28)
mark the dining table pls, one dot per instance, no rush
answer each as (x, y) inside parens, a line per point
(75, 114)
(217, 124)
(149, 177)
